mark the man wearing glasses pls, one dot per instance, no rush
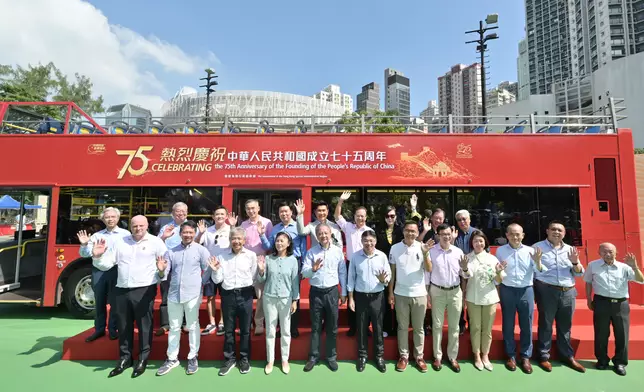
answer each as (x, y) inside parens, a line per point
(462, 241)
(216, 239)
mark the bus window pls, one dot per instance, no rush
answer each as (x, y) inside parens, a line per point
(493, 209)
(156, 204)
(561, 204)
(332, 195)
(378, 199)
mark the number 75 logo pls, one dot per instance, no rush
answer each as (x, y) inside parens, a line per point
(131, 155)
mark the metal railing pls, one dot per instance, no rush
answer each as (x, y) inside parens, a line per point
(350, 123)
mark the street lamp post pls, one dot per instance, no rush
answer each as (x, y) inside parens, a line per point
(210, 84)
(481, 47)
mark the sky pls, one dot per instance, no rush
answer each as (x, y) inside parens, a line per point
(143, 52)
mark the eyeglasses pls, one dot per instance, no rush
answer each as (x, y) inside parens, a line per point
(391, 216)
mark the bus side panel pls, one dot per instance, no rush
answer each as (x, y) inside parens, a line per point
(630, 206)
(51, 270)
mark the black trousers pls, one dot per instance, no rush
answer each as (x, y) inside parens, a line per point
(369, 308)
(389, 322)
(163, 309)
(237, 305)
(135, 304)
(616, 312)
(323, 303)
(558, 306)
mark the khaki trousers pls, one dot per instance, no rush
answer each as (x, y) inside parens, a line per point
(411, 309)
(452, 301)
(481, 321)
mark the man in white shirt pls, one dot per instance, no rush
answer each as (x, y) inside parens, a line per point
(410, 261)
(136, 287)
(103, 282)
(608, 279)
(216, 239)
(236, 271)
(169, 233)
(353, 234)
(254, 226)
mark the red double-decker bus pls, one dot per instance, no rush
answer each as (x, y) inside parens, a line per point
(63, 173)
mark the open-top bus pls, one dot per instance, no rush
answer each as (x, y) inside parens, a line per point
(584, 177)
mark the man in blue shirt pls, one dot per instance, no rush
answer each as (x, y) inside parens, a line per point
(521, 262)
(325, 267)
(555, 295)
(288, 225)
(462, 241)
(169, 233)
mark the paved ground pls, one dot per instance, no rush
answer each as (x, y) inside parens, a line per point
(32, 338)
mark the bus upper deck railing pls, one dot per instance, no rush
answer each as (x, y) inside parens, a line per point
(80, 123)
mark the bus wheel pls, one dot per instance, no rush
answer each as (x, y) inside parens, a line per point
(78, 293)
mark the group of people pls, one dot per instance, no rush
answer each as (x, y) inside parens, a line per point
(402, 269)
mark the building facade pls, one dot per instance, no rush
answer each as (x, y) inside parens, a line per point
(250, 106)
(611, 29)
(128, 113)
(368, 101)
(460, 94)
(397, 92)
(552, 40)
(523, 72)
(332, 93)
(499, 96)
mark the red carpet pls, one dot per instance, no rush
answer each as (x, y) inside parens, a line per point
(75, 347)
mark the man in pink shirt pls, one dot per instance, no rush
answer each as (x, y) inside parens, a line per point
(255, 226)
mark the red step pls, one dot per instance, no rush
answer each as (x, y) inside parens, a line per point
(211, 348)
(582, 316)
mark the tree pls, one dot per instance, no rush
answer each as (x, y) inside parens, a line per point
(42, 83)
(639, 151)
(382, 122)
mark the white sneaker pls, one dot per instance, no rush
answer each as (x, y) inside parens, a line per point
(384, 334)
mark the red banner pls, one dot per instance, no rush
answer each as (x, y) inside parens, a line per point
(332, 159)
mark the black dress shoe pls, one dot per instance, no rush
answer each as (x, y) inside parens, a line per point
(139, 369)
(380, 365)
(120, 368)
(601, 366)
(310, 365)
(620, 370)
(94, 336)
(333, 365)
(360, 365)
(351, 332)
(114, 335)
(295, 333)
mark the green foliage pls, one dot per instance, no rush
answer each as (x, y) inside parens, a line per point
(388, 124)
(639, 151)
(42, 83)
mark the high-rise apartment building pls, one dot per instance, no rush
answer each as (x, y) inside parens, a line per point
(431, 110)
(523, 72)
(368, 100)
(499, 96)
(332, 93)
(397, 92)
(608, 30)
(460, 94)
(552, 40)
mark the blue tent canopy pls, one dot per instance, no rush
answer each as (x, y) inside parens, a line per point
(9, 203)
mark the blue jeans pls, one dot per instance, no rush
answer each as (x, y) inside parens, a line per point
(517, 300)
(103, 284)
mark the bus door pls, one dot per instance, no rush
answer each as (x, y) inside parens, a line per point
(269, 201)
(23, 246)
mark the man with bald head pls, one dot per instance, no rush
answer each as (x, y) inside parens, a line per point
(521, 262)
(136, 286)
(608, 279)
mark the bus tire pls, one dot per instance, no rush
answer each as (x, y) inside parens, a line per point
(78, 294)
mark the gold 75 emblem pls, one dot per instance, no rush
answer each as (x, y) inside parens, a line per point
(131, 156)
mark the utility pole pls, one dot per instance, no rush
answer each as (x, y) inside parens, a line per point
(490, 24)
(210, 84)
